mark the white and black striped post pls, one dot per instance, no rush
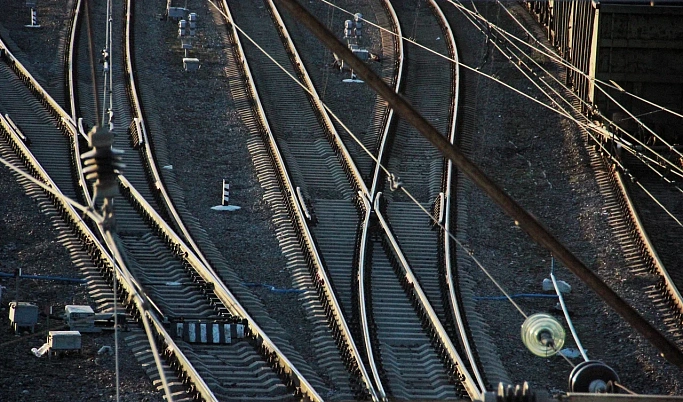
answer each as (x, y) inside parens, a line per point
(226, 193)
(34, 15)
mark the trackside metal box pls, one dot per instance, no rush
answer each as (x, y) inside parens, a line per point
(22, 314)
(190, 64)
(176, 13)
(62, 341)
(80, 318)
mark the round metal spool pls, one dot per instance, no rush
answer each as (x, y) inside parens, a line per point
(593, 376)
(542, 334)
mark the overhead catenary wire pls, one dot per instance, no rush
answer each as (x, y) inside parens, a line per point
(555, 57)
(550, 54)
(567, 64)
(527, 222)
(311, 93)
(106, 218)
(590, 127)
(638, 318)
(374, 158)
(100, 221)
(107, 206)
(449, 234)
(625, 146)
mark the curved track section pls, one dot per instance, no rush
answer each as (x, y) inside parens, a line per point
(403, 276)
(51, 142)
(291, 130)
(655, 236)
(158, 259)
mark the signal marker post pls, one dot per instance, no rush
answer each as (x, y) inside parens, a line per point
(226, 193)
(225, 201)
(34, 15)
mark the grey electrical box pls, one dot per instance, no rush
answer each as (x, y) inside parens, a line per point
(80, 318)
(177, 13)
(359, 52)
(64, 341)
(23, 315)
(190, 64)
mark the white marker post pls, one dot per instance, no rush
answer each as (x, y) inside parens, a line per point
(226, 193)
(225, 201)
(34, 14)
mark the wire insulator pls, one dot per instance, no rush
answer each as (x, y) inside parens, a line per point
(102, 163)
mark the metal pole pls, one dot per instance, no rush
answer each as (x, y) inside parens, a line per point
(16, 285)
(525, 220)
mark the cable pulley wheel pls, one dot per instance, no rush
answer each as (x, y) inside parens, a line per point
(593, 376)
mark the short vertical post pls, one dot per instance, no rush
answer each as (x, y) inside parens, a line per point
(34, 14)
(17, 273)
(49, 313)
(226, 193)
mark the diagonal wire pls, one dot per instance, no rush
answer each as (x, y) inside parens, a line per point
(385, 169)
(555, 57)
(616, 161)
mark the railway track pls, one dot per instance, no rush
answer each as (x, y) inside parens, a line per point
(330, 219)
(645, 233)
(256, 96)
(338, 223)
(142, 234)
(653, 236)
(417, 258)
(639, 257)
(333, 217)
(50, 159)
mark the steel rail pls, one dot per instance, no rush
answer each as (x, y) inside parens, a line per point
(356, 177)
(82, 182)
(194, 254)
(67, 122)
(367, 202)
(524, 219)
(222, 292)
(115, 266)
(474, 389)
(71, 84)
(151, 161)
(290, 193)
(62, 116)
(71, 69)
(390, 117)
(455, 306)
(362, 303)
(674, 293)
(466, 378)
